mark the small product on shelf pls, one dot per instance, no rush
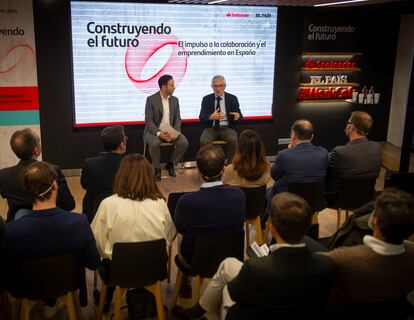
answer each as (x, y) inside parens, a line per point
(370, 95)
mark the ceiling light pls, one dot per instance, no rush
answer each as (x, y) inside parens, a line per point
(336, 3)
(217, 1)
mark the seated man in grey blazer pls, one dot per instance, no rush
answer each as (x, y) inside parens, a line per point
(359, 158)
(163, 108)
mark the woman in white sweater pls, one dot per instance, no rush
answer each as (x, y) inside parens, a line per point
(137, 211)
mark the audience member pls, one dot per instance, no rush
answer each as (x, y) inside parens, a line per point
(47, 230)
(98, 172)
(250, 167)
(162, 109)
(359, 158)
(136, 212)
(290, 283)
(381, 269)
(219, 114)
(214, 209)
(26, 146)
(300, 162)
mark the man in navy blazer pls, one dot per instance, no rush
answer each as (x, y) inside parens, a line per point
(163, 108)
(301, 162)
(98, 172)
(219, 114)
(47, 230)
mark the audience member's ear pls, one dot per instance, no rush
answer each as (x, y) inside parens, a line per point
(37, 151)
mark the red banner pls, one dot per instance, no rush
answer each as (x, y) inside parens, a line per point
(19, 98)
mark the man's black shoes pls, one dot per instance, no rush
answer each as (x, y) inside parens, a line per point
(157, 174)
(170, 168)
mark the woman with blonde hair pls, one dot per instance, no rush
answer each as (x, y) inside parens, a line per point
(249, 167)
(137, 211)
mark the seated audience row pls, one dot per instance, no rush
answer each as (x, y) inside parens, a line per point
(369, 280)
(304, 162)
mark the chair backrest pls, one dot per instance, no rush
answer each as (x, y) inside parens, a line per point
(210, 250)
(138, 264)
(401, 180)
(255, 201)
(354, 193)
(312, 192)
(43, 278)
(172, 201)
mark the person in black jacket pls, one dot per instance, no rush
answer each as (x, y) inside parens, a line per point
(289, 283)
(220, 111)
(98, 172)
(26, 146)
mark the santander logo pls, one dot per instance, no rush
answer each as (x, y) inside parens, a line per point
(237, 15)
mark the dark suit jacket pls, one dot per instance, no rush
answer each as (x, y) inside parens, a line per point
(357, 159)
(215, 210)
(208, 105)
(11, 188)
(52, 232)
(303, 163)
(289, 283)
(154, 113)
(97, 179)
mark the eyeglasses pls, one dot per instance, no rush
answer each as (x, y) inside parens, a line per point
(218, 85)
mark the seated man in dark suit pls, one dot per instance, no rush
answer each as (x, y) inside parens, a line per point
(26, 145)
(98, 172)
(219, 114)
(214, 209)
(300, 162)
(359, 158)
(47, 230)
(289, 283)
(373, 278)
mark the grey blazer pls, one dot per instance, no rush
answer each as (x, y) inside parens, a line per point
(154, 113)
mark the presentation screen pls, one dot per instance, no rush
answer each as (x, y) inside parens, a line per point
(121, 49)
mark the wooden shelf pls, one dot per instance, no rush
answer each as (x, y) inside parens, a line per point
(322, 101)
(330, 69)
(347, 84)
(331, 54)
(361, 104)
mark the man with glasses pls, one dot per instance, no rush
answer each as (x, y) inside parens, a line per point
(220, 111)
(359, 158)
(98, 172)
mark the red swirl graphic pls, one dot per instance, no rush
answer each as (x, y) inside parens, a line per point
(17, 62)
(137, 57)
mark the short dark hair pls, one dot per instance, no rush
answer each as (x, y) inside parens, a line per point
(394, 210)
(163, 80)
(23, 142)
(303, 129)
(291, 216)
(112, 137)
(362, 122)
(38, 180)
(210, 162)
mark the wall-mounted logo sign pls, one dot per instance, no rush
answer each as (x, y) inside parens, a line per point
(312, 64)
(315, 93)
